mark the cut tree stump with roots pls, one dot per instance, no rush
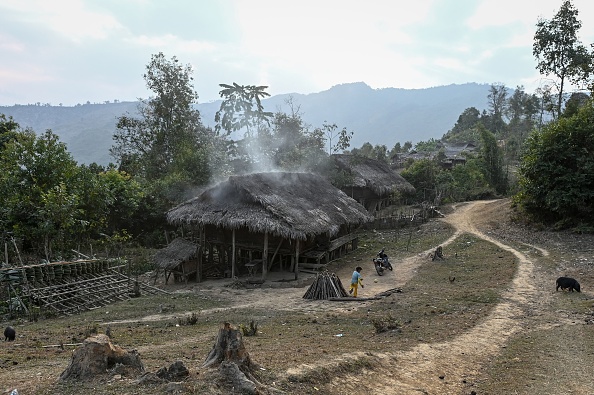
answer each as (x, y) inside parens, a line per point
(97, 356)
(233, 360)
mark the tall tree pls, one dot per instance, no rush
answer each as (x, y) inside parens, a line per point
(496, 99)
(521, 110)
(168, 131)
(338, 140)
(559, 52)
(295, 146)
(492, 160)
(465, 128)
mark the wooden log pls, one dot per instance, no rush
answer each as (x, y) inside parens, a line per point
(352, 299)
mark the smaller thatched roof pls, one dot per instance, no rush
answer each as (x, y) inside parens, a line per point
(372, 174)
(290, 205)
(178, 251)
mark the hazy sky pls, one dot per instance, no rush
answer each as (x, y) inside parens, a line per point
(73, 51)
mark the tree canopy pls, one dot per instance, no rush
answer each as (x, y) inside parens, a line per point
(557, 171)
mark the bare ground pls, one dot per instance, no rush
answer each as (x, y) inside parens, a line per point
(487, 358)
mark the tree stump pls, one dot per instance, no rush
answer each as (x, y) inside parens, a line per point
(234, 362)
(96, 356)
(438, 254)
(228, 347)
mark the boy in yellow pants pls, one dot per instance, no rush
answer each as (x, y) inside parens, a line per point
(356, 280)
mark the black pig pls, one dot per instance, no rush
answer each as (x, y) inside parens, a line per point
(9, 334)
(568, 283)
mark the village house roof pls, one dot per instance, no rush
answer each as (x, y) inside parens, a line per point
(454, 153)
(372, 174)
(290, 205)
(178, 251)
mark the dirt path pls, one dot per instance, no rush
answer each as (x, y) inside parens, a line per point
(458, 360)
(418, 370)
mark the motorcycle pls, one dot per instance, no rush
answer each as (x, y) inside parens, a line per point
(381, 263)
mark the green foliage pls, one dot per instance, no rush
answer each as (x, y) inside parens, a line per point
(466, 182)
(398, 149)
(465, 128)
(491, 158)
(8, 130)
(295, 147)
(378, 152)
(521, 109)
(52, 205)
(556, 181)
(422, 174)
(497, 99)
(461, 183)
(241, 108)
(168, 137)
(338, 140)
(287, 144)
(576, 101)
(427, 146)
(166, 150)
(38, 190)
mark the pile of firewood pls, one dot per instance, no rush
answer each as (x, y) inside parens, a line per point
(325, 286)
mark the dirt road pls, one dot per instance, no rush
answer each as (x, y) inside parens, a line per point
(456, 361)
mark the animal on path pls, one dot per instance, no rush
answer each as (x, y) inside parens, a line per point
(568, 283)
(9, 334)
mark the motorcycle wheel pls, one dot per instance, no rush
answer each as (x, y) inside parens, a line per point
(379, 269)
(389, 266)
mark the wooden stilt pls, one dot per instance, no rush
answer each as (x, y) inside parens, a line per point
(233, 254)
(297, 260)
(265, 256)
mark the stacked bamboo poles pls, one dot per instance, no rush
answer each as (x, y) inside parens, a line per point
(325, 286)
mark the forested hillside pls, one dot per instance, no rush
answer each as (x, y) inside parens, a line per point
(378, 116)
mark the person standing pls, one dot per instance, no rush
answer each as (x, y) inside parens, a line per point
(356, 280)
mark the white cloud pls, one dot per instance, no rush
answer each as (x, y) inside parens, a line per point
(69, 18)
(10, 44)
(302, 47)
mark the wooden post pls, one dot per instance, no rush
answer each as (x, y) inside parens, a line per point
(274, 256)
(297, 260)
(233, 253)
(201, 237)
(265, 256)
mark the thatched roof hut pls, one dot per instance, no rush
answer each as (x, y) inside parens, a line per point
(290, 205)
(289, 209)
(176, 258)
(369, 181)
(178, 251)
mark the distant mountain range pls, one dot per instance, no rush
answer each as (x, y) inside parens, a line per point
(378, 116)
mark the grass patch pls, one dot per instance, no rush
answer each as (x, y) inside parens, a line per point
(541, 358)
(448, 297)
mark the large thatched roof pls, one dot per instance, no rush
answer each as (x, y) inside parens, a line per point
(372, 174)
(291, 205)
(178, 251)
